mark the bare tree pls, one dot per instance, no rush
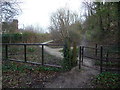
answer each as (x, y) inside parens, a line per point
(89, 8)
(9, 9)
(61, 21)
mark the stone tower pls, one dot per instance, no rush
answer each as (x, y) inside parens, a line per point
(10, 27)
(14, 24)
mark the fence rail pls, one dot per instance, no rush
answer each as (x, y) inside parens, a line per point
(25, 53)
(101, 55)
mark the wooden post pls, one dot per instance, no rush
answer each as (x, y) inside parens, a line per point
(96, 50)
(42, 54)
(80, 57)
(6, 52)
(25, 53)
(101, 58)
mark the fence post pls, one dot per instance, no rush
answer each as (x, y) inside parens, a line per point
(25, 53)
(82, 54)
(96, 46)
(101, 58)
(6, 51)
(42, 54)
(80, 57)
(107, 59)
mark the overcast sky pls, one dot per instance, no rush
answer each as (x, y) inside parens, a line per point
(37, 12)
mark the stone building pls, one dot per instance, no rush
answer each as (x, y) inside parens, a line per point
(10, 27)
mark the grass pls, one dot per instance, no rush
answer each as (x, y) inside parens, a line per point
(19, 75)
(112, 49)
(13, 66)
(34, 54)
(107, 80)
(23, 75)
(31, 49)
(108, 64)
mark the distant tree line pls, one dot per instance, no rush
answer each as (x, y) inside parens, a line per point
(28, 35)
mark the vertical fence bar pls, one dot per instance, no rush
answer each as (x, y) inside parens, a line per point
(82, 54)
(25, 58)
(96, 46)
(42, 54)
(80, 57)
(6, 51)
(107, 60)
(101, 59)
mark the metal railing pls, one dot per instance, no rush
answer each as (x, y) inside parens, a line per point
(25, 53)
(99, 54)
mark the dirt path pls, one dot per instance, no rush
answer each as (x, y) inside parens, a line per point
(55, 52)
(75, 78)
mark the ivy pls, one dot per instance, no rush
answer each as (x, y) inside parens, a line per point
(70, 56)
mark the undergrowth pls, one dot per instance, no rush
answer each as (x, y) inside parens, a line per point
(107, 80)
(12, 66)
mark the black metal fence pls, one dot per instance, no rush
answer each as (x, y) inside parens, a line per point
(106, 57)
(6, 47)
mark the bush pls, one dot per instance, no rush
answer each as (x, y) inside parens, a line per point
(74, 55)
(69, 56)
(11, 38)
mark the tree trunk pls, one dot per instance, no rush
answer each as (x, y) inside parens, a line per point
(100, 22)
(118, 5)
(108, 17)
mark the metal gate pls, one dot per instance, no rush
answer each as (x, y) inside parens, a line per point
(99, 57)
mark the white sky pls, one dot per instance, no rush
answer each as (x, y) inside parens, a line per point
(38, 12)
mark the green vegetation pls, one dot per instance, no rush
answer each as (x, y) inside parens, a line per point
(111, 49)
(67, 56)
(31, 49)
(108, 64)
(12, 66)
(11, 38)
(26, 37)
(74, 55)
(102, 22)
(107, 80)
(13, 50)
(34, 54)
(19, 75)
(43, 68)
(70, 56)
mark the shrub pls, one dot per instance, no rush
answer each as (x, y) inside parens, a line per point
(66, 55)
(11, 38)
(74, 55)
(69, 56)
